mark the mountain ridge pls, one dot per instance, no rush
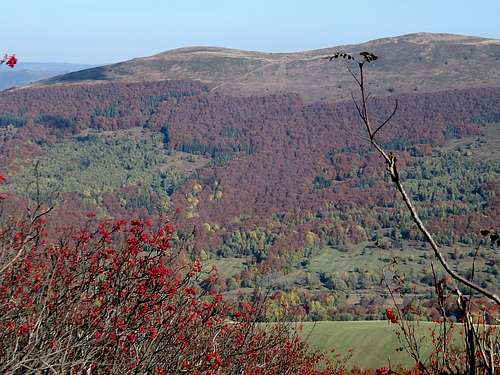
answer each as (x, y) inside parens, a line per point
(419, 62)
(412, 37)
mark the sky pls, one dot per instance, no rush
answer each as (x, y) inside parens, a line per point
(106, 31)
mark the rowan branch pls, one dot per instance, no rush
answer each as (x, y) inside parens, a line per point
(391, 161)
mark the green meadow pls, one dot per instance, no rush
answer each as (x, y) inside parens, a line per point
(373, 343)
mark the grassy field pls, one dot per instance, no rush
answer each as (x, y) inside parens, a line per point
(368, 259)
(373, 342)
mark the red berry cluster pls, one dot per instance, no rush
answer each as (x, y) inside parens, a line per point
(10, 61)
(391, 316)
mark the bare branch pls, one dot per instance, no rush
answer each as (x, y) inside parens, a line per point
(357, 107)
(387, 120)
(354, 76)
(391, 162)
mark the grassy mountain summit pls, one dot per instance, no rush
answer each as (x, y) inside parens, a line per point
(422, 62)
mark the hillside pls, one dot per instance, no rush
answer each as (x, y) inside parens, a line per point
(418, 63)
(272, 185)
(275, 189)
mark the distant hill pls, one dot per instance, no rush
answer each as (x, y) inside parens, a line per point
(422, 62)
(28, 72)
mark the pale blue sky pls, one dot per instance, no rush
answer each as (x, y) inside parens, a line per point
(101, 31)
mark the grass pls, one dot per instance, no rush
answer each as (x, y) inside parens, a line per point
(481, 149)
(373, 342)
(365, 257)
(227, 267)
(369, 260)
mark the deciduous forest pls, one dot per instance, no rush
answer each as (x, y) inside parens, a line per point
(164, 227)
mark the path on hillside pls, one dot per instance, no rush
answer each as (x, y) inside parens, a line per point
(280, 78)
(243, 76)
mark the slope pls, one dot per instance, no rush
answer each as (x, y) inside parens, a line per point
(422, 62)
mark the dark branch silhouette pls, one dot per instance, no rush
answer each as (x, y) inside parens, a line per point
(392, 169)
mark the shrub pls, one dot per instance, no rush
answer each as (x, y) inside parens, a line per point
(115, 297)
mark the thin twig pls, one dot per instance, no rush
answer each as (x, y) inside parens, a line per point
(391, 162)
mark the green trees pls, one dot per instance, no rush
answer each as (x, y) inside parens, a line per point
(95, 165)
(478, 351)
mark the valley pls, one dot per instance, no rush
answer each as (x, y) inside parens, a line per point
(279, 192)
(257, 161)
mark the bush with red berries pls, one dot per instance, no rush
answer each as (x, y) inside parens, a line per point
(115, 297)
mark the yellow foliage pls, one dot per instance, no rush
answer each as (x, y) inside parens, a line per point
(293, 297)
(316, 307)
(204, 255)
(192, 201)
(311, 238)
(165, 203)
(330, 300)
(275, 310)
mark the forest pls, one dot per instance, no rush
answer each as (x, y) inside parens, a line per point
(266, 182)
